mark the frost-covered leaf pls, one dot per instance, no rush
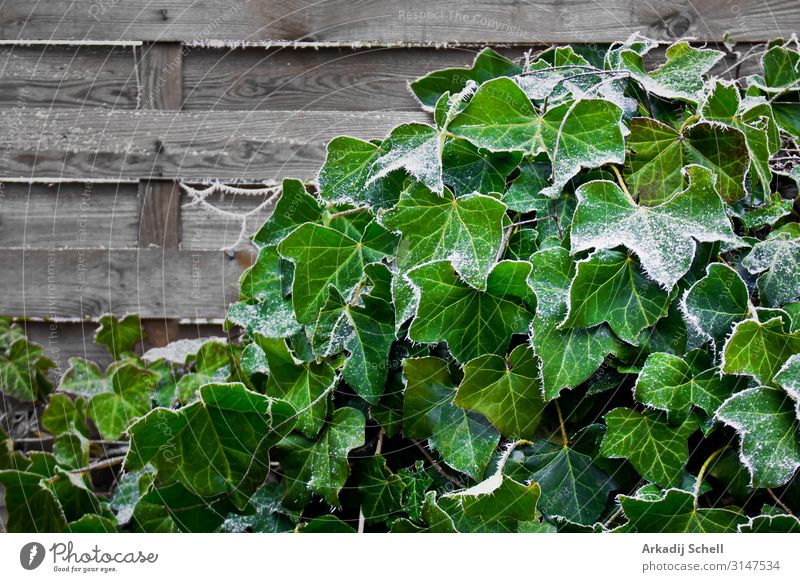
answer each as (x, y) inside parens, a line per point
(472, 322)
(465, 440)
(499, 498)
(265, 513)
(607, 217)
(294, 207)
(675, 512)
(568, 356)
(487, 65)
(658, 154)
(218, 444)
(415, 148)
(466, 230)
(788, 378)
(18, 370)
(525, 192)
(778, 258)
(320, 466)
(507, 391)
(656, 450)
(469, 169)
(772, 211)
(119, 335)
(759, 349)
(771, 524)
(766, 421)
(610, 287)
(715, 303)
(674, 384)
(324, 256)
(580, 134)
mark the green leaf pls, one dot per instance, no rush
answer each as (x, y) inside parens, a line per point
(321, 466)
(499, 498)
(267, 515)
(606, 217)
(465, 440)
(381, 490)
(715, 303)
(325, 524)
(417, 482)
(294, 207)
(568, 356)
(658, 155)
(582, 134)
(467, 230)
(759, 349)
(525, 192)
(778, 258)
(83, 378)
(675, 512)
(415, 148)
(487, 65)
(324, 256)
(656, 450)
(129, 397)
(472, 322)
(18, 370)
(573, 488)
(768, 214)
(788, 378)
(766, 421)
(609, 287)
(771, 524)
(24, 491)
(674, 383)
(507, 391)
(301, 384)
(218, 444)
(119, 335)
(468, 169)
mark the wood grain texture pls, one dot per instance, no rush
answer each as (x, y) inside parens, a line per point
(156, 283)
(390, 21)
(67, 76)
(68, 215)
(206, 229)
(255, 146)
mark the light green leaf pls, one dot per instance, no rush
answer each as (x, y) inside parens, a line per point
(788, 378)
(119, 335)
(381, 490)
(472, 322)
(415, 148)
(129, 397)
(675, 512)
(771, 212)
(766, 421)
(606, 217)
(778, 258)
(18, 370)
(759, 349)
(294, 207)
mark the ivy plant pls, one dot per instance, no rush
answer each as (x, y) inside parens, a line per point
(569, 302)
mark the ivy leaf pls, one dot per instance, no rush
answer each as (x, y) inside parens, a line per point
(119, 335)
(771, 524)
(18, 370)
(294, 207)
(415, 148)
(674, 383)
(324, 256)
(472, 322)
(466, 230)
(606, 217)
(499, 498)
(675, 512)
(715, 303)
(129, 397)
(24, 491)
(766, 421)
(268, 513)
(788, 378)
(656, 450)
(658, 154)
(573, 488)
(771, 212)
(65, 415)
(505, 390)
(487, 65)
(321, 466)
(609, 287)
(416, 482)
(301, 384)
(469, 169)
(465, 440)
(381, 490)
(778, 258)
(525, 192)
(218, 444)
(345, 176)
(759, 349)
(569, 356)
(581, 134)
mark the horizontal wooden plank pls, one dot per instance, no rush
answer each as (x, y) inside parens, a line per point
(389, 21)
(155, 283)
(64, 340)
(336, 79)
(269, 145)
(220, 227)
(67, 76)
(68, 215)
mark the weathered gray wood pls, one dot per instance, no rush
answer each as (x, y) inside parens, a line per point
(389, 21)
(159, 205)
(156, 283)
(161, 72)
(67, 76)
(68, 215)
(260, 145)
(205, 229)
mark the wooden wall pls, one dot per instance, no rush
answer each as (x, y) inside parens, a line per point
(106, 105)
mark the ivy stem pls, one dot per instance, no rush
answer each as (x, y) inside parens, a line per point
(621, 181)
(685, 124)
(345, 213)
(702, 473)
(103, 464)
(777, 500)
(561, 424)
(436, 466)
